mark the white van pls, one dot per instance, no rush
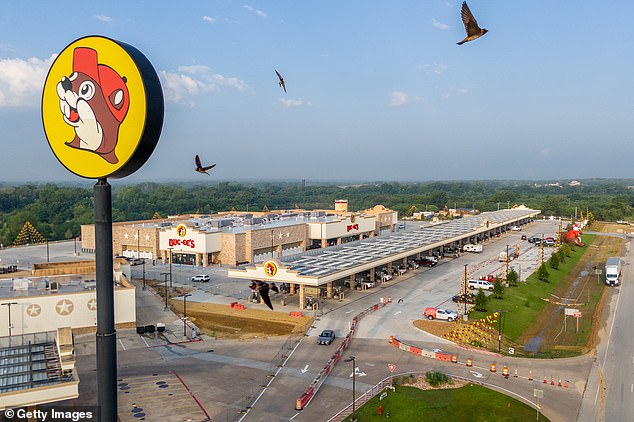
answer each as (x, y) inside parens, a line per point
(480, 284)
(472, 248)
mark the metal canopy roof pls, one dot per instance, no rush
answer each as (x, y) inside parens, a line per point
(323, 265)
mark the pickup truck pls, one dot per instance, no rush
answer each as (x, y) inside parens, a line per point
(438, 313)
(326, 337)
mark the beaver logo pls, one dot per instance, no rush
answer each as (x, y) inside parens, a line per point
(94, 100)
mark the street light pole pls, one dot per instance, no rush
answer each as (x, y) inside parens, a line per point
(47, 253)
(138, 244)
(354, 370)
(144, 274)
(171, 256)
(8, 305)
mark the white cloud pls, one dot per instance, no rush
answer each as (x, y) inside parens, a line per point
(544, 153)
(398, 98)
(435, 69)
(440, 25)
(257, 12)
(21, 81)
(104, 18)
(452, 91)
(209, 19)
(289, 102)
(189, 81)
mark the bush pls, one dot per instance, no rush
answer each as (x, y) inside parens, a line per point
(542, 273)
(480, 301)
(554, 261)
(513, 276)
(436, 378)
(498, 288)
(565, 248)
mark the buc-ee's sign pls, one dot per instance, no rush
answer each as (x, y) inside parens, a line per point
(181, 242)
(102, 108)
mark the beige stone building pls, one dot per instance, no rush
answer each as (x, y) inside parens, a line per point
(235, 238)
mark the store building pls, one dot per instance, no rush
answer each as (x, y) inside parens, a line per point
(234, 238)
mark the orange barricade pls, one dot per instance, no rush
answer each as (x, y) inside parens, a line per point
(493, 367)
(296, 314)
(515, 374)
(552, 380)
(443, 356)
(505, 371)
(469, 362)
(454, 358)
(415, 350)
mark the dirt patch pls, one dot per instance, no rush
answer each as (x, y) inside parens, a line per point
(437, 328)
(221, 321)
(421, 383)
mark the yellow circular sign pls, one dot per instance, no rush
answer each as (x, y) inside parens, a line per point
(181, 230)
(270, 268)
(102, 108)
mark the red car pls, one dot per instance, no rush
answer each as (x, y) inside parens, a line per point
(488, 278)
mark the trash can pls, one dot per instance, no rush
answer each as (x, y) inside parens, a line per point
(140, 330)
(160, 327)
(150, 329)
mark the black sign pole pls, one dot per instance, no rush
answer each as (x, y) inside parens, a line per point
(106, 334)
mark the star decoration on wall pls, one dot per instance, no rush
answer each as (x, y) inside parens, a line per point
(33, 310)
(92, 305)
(64, 307)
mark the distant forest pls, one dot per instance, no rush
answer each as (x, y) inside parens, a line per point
(57, 211)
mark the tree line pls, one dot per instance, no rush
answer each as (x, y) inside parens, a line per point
(57, 211)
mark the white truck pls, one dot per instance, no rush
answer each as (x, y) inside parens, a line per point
(472, 248)
(613, 271)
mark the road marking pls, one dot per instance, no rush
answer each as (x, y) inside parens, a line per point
(120, 342)
(358, 373)
(305, 369)
(146, 345)
(294, 416)
(347, 312)
(476, 374)
(396, 313)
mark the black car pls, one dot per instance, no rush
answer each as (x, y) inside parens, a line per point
(464, 298)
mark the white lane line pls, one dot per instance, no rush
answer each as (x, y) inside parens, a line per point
(120, 342)
(146, 345)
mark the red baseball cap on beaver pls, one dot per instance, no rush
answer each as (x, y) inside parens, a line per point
(112, 84)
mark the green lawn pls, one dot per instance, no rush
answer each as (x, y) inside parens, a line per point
(471, 403)
(525, 301)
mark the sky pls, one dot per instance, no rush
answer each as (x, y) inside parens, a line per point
(376, 90)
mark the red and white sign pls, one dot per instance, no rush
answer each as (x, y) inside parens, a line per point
(352, 227)
(577, 315)
(391, 366)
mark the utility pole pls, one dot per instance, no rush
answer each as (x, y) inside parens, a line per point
(354, 370)
(171, 256)
(541, 249)
(166, 294)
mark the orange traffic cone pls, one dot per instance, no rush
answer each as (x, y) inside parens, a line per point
(505, 371)
(545, 380)
(559, 383)
(493, 368)
(530, 375)
(515, 374)
(469, 362)
(552, 380)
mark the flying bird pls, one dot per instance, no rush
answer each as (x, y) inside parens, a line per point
(471, 25)
(263, 289)
(282, 84)
(200, 168)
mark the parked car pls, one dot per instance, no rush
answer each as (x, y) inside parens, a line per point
(464, 298)
(428, 261)
(549, 242)
(516, 229)
(201, 277)
(535, 239)
(326, 337)
(438, 313)
(489, 277)
(136, 261)
(385, 276)
(480, 284)
(369, 284)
